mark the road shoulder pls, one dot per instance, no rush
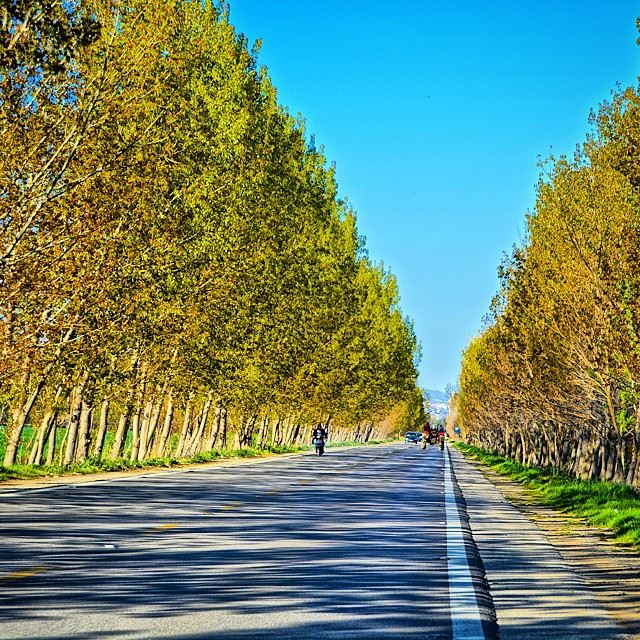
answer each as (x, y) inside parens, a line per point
(536, 591)
(610, 571)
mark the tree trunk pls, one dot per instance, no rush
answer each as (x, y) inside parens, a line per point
(121, 431)
(17, 423)
(264, 430)
(98, 444)
(84, 429)
(368, 432)
(117, 450)
(48, 423)
(51, 444)
(63, 444)
(137, 415)
(282, 432)
(43, 433)
(150, 435)
(631, 459)
(215, 429)
(160, 448)
(74, 418)
(274, 430)
(201, 442)
(135, 434)
(245, 431)
(185, 427)
(21, 414)
(194, 442)
(596, 460)
(144, 429)
(224, 429)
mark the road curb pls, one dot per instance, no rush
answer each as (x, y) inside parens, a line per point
(536, 594)
(610, 570)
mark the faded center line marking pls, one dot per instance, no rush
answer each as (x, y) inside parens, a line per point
(24, 573)
(160, 528)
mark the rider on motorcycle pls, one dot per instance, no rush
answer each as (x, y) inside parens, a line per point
(319, 438)
(426, 431)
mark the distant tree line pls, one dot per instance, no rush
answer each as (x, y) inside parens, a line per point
(554, 378)
(177, 272)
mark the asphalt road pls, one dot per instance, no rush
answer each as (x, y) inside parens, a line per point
(351, 545)
(364, 543)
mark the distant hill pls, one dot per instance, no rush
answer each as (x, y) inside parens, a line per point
(439, 404)
(437, 396)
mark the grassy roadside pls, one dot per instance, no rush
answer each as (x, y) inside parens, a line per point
(610, 505)
(92, 465)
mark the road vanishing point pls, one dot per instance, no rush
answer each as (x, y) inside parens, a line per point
(375, 542)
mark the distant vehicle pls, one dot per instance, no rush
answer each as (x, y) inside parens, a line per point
(412, 436)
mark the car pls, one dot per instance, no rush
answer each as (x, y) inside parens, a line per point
(412, 436)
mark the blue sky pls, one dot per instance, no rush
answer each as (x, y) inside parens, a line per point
(435, 113)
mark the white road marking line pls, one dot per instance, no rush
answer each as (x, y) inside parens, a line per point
(465, 614)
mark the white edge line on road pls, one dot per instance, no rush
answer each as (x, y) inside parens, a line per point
(465, 615)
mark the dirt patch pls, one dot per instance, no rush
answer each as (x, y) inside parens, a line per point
(611, 571)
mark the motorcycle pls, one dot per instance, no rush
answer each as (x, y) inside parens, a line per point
(319, 442)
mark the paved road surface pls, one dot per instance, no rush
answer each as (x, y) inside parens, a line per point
(366, 543)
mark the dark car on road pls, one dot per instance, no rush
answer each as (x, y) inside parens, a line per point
(412, 436)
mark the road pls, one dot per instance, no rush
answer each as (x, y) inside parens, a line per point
(364, 543)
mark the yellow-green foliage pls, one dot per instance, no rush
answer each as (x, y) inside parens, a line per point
(173, 249)
(553, 378)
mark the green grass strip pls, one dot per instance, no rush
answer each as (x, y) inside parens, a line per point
(609, 505)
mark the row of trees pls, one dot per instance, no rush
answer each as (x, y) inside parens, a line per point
(177, 272)
(554, 378)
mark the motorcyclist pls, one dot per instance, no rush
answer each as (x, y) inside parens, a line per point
(319, 438)
(426, 431)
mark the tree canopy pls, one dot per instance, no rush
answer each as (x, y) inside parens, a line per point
(554, 377)
(176, 266)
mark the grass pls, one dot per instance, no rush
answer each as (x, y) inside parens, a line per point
(93, 465)
(609, 505)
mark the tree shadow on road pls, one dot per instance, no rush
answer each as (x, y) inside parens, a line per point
(301, 556)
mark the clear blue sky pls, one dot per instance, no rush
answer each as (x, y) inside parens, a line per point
(436, 112)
